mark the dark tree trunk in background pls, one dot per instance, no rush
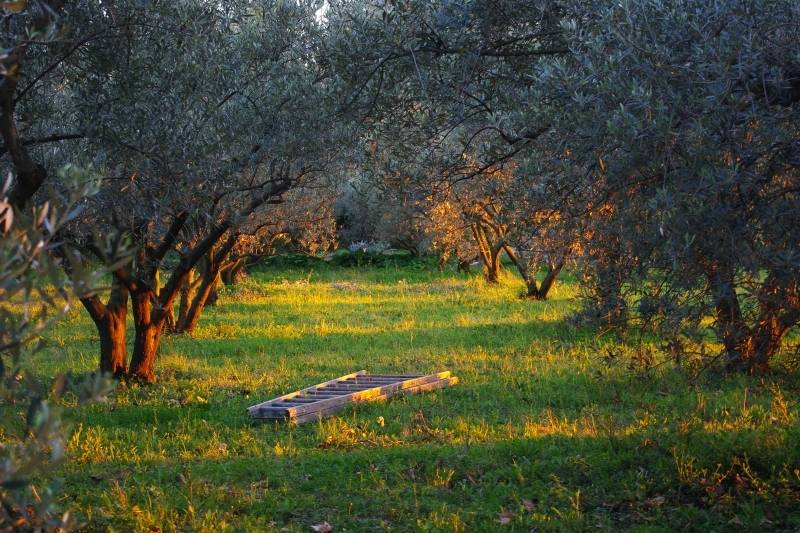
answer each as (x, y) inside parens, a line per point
(540, 292)
(489, 252)
(534, 290)
(232, 272)
(30, 175)
(110, 320)
(605, 281)
(213, 297)
(751, 348)
(188, 291)
(731, 330)
(206, 294)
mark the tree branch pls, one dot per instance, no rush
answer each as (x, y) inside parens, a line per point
(48, 139)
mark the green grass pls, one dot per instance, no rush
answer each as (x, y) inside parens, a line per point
(541, 432)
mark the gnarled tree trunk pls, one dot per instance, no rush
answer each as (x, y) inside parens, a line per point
(534, 290)
(149, 325)
(751, 348)
(730, 327)
(188, 291)
(201, 298)
(489, 252)
(553, 270)
(110, 320)
(150, 303)
(233, 271)
(540, 292)
(213, 264)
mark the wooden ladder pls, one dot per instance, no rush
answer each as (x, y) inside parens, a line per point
(325, 399)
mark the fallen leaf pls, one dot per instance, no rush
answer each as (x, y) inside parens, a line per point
(324, 527)
(529, 505)
(656, 501)
(505, 517)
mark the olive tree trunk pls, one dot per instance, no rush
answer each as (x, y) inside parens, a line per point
(150, 304)
(232, 272)
(149, 325)
(750, 348)
(212, 265)
(489, 253)
(188, 291)
(535, 291)
(110, 321)
(541, 292)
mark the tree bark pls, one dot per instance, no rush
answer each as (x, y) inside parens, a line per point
(534, 290)
(213, 297)
(213, 264)
(765, 342)
(751, 348)
(188, 290)
(549, 280)
(192, 317)
(113, 349)
(149, 325)
(30, 175)
(232, 272)
(493, 273)
(110, 320)
(490, 254)
(731, 329)
(541, 292)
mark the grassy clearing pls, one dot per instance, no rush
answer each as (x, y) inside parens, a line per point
(540, 433)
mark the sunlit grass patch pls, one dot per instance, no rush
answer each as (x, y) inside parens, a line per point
(542, 427)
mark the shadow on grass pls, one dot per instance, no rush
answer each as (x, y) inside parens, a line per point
(552, 481)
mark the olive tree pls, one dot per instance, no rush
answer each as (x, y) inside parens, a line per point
(34, 292)
(197, 115)
(681, 120)
(238, 87)
(446, 87)
(302, 221)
